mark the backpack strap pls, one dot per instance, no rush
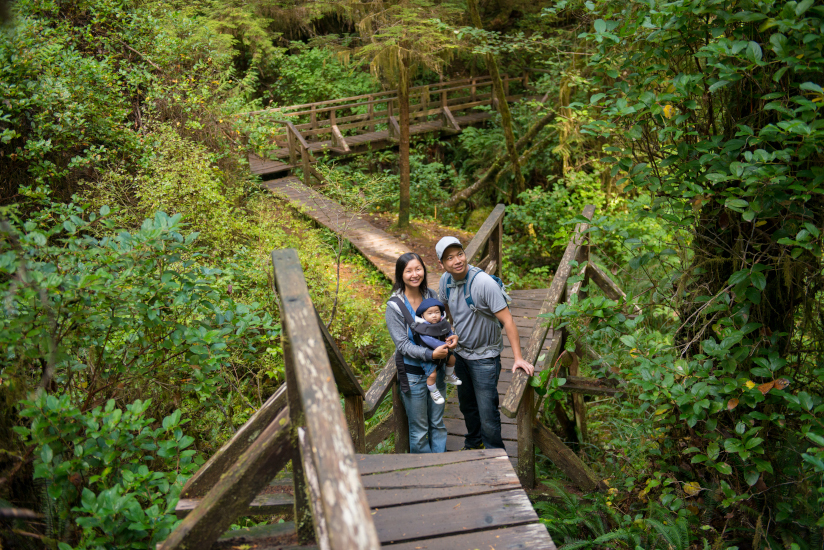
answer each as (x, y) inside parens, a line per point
(409, 318)
(468, 295)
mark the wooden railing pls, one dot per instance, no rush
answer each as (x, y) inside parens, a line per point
(308, 427)
(296, 126)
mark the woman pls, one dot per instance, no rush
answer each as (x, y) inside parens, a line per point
(427, 433)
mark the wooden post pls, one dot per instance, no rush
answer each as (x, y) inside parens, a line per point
(293, 157)
(333, 117)
(496, 247)
(472, 90)
(578, 407)
(401, 421)
(314, 117)
(303, 510)
(353, 408)
(304, 155)
(389, 110)
(370, 113)
(425, 98)
(443, 99)
(526, 448)
(506, 87)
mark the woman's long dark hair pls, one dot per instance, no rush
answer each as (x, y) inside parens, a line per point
(400, 266)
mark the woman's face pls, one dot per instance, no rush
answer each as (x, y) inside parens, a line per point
(413, 273)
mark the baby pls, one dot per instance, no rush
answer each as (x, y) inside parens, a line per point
(432, 312)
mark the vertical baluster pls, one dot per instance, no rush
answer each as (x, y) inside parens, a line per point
(401, 420)
(314, 117)
(526, 447)
(303, 510)
(472, 90)
(293, 158)
(370, 113)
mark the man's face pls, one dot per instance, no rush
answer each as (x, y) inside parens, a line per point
(453, 260)
(432, 315)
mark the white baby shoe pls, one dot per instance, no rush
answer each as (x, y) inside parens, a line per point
(436, 397)
(452, 379)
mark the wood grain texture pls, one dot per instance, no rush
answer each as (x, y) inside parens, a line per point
(449, 517)
(401, 420)
(208, 475)
(233, 492)
(380, 388)
(379, 433)
(555, 295)
(523, 537)
(313, 486)
(353, 409)
(482, 235)
(343, 498)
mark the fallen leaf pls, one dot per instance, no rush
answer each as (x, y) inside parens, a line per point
(750, 384)
(781, 383)
(692, 488)
(732, 403)
(766, 387)
(456, 505)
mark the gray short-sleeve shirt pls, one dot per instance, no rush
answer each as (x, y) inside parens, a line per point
(479, 334)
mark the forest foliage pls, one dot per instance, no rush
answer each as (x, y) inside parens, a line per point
(138, 329)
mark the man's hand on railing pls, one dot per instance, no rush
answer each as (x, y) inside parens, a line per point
(523, 365)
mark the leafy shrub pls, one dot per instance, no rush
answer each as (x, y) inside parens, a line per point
(112, 479)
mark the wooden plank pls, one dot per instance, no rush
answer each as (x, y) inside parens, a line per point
(567, 461)
(208, 475)
(479, 240)
(395, 129)
(379, 433)
(401, 420)
(513, 398)
(533, 536)
(343, 499)
(263, 504)
(380, 463)
(353, 410)
(322, 535)
(591, 386)
(338, 138)
(345, 378)
(494, 471)
(526, 448)
(380, 387)
(233, 492)
(449, 517)
(449, 119)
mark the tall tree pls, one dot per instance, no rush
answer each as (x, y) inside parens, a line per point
(400, 37)
(503, 106)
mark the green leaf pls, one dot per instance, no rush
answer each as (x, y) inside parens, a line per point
(718, 85)
(752, 477)
(754, 52)
(813, 87)
(600, 26)
(723, 468)
(815, 438)
(803, 6)
(736, 203)
(46, 454)
(758, 280)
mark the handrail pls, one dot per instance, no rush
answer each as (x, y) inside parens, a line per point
(315, 407)
(514, 395)
(484, 233)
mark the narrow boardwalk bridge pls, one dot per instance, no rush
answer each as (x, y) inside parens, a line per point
(369, 122)
(339, 496)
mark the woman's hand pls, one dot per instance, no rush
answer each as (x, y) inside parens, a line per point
(452, 341)
(441, 352)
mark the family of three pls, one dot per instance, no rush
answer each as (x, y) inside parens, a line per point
(429, 354)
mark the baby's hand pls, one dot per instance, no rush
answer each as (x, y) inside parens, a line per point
(452, 341)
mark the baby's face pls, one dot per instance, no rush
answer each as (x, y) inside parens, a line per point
(432, 315)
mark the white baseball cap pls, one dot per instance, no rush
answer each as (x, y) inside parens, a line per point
(445, 243)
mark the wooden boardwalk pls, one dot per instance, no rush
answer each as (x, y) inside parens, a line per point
(378, 246)
(357, 143)
(458, 501)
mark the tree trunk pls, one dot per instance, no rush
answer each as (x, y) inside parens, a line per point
(503, 108)
(403, 108)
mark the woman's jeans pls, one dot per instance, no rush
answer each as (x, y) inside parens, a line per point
(478, 398)
(427, 433)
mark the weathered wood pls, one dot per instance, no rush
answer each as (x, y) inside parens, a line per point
(379, 433)
(314, 117)
(491, 267)
(313, 486)
(512, 401)
(591, 386)
(263, 504)
(567, 461)
(353, 409)
(343, 499)
(496, 246)
(605, 283)
(394, 128)
(492, 472)
(302, 507)
(379, 388)
(448, 517)
(401, 421)
(338, 138)
(526, 448)
(579, 410)
(533, 536)
(293, 154)
(370, 113)
(485, 231)
(208, 475)
(233, 492)
(449, 120)
(344, 375)
(380, 463)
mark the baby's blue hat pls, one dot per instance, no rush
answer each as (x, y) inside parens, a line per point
(426, 304)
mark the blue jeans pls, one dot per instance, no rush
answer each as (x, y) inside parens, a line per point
(427, 432)
(478, 398)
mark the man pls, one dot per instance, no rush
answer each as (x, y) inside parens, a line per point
(478, 355)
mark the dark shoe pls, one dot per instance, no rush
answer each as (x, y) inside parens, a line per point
(468, 448)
